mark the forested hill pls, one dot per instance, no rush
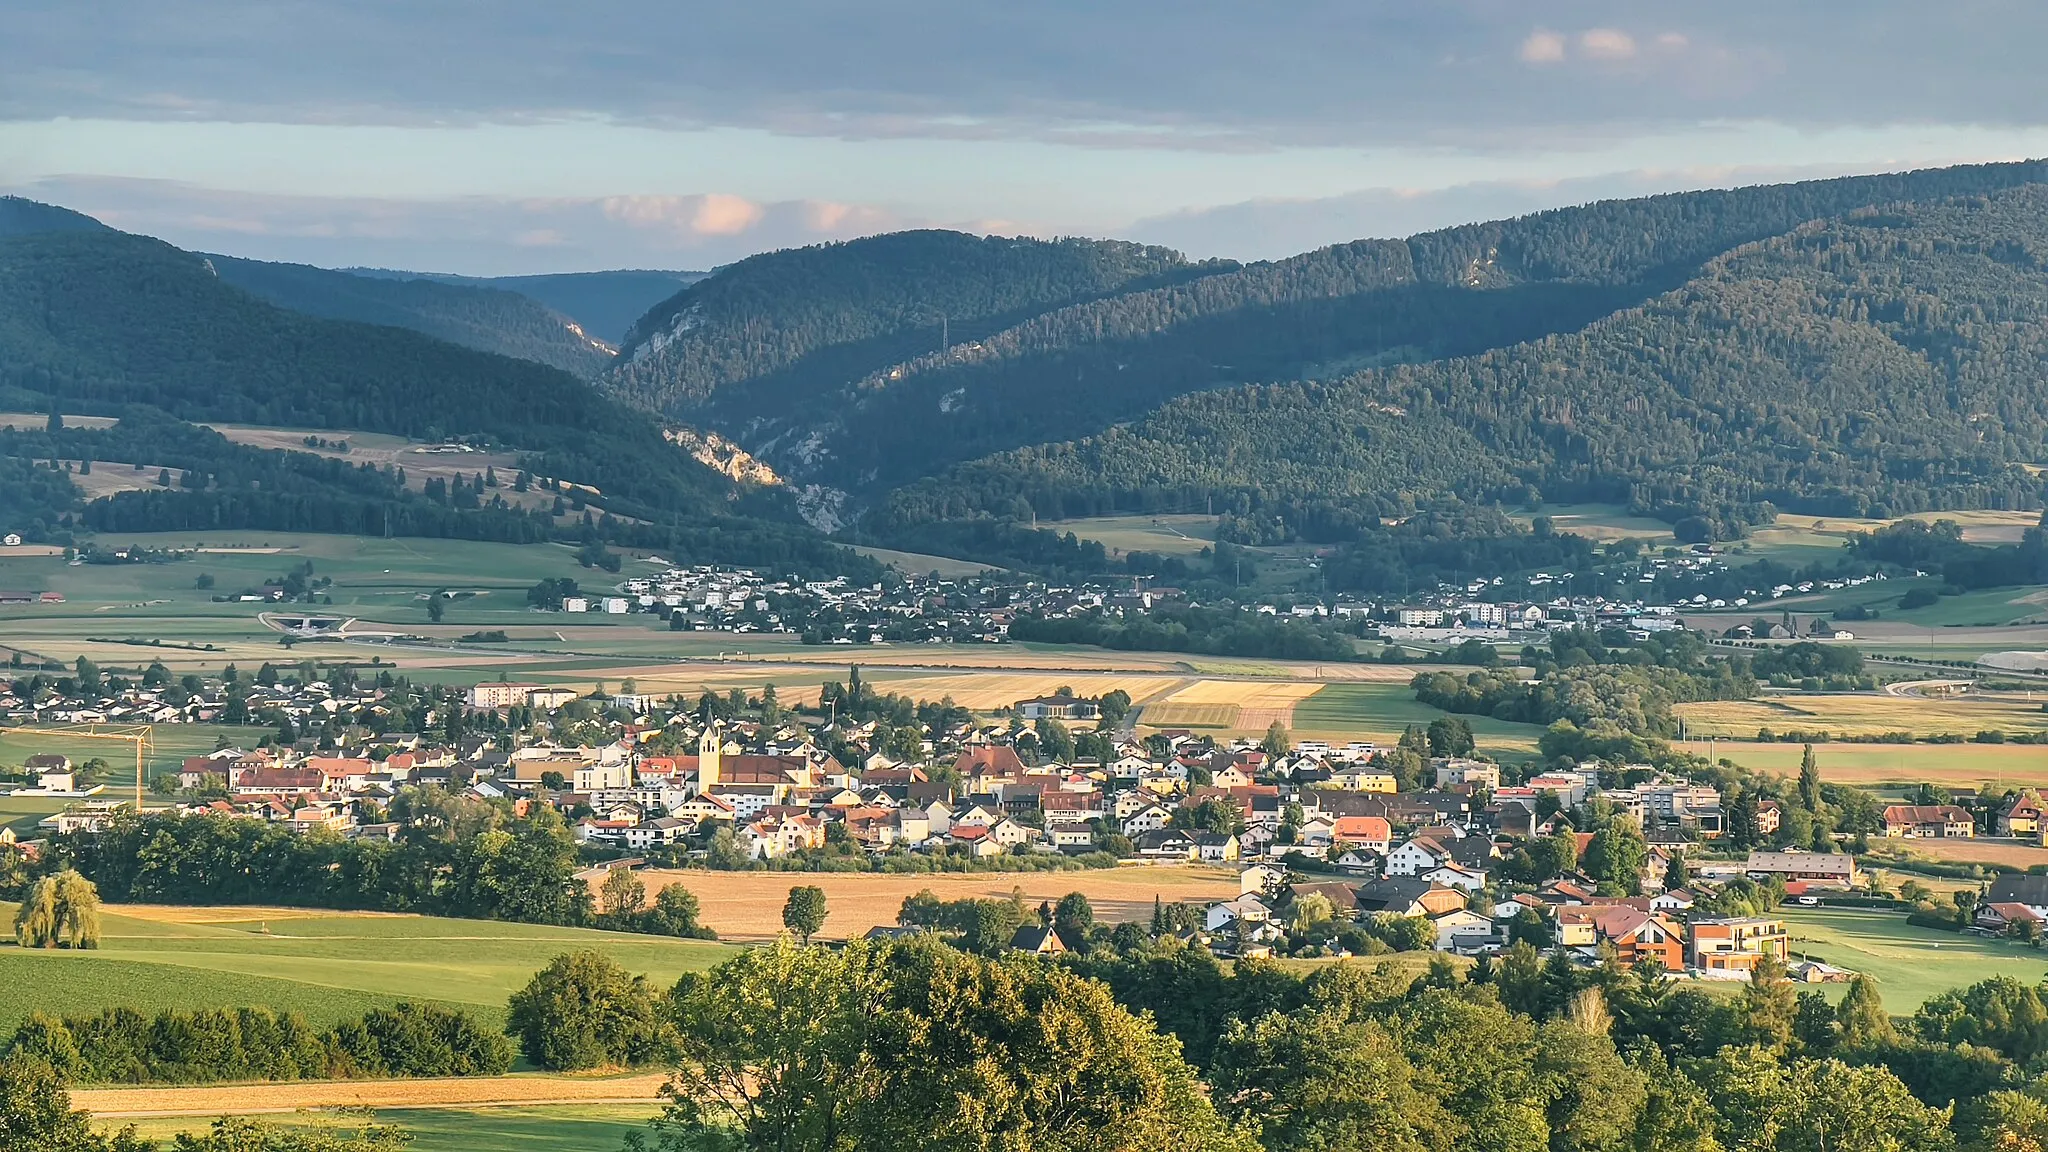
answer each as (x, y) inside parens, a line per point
(1883, 361)
(789, 326)
(487, 319)
(20, 217)
(1074, 371)
(102, 320)
(604, 304)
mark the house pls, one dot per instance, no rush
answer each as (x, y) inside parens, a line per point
(2018, 888)
(1039, 940)
(1928, 822)
(1216, 847)
(1260, 878)
(1671, 900)
(1637, 935)
(1733, 946)
(1820, 869)
(1457, 876)
(2002, 917)
(1468, 774)
(1370, 832)
(1417, 856)
(2021, 816)
(1247, 909)
(1408, 896)
(1056, 708)
(1462, 930)
(1149, 819)
(1166, 844)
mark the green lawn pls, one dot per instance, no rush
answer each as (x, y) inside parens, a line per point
(1911, 964)
(1382, 710)
(328, 965)
(170, 744)
(561, 1128)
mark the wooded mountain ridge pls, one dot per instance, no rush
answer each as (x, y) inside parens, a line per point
(1854, 346)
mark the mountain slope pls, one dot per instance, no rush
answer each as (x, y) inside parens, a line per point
(1074, 371)
(783, 324)
(22, 217)
(487, 319)
(1885, 361)
(105, 319)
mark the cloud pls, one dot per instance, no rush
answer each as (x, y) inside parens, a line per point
(1607, 44)
(479, 235)
(1214, 75)
(1271, 229)
(1543, 47)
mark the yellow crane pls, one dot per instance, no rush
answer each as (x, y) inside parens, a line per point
(139, 736)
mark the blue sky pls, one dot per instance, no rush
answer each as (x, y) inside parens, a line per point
(499, 136)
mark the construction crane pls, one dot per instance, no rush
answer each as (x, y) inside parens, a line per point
(140, 736)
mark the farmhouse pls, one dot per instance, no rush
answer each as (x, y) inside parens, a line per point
(1819, 869)
(1928, 821)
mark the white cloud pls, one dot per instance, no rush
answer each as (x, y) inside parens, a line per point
(719, 214)
(1607, 44)
(1543, 47)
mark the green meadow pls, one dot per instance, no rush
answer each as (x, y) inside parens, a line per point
(327, 965)
(1911, 964)
(1383, 710)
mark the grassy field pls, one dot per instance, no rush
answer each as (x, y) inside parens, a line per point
(169, 745)
(328, 965)
(748, 905)
(1975, 850)
(1166, 535)
(1911, 964)
(562, 1128)
(1381, 711)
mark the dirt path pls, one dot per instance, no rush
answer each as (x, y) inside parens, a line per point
(471, 1091)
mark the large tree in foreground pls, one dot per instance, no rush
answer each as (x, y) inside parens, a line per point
(918, 1045)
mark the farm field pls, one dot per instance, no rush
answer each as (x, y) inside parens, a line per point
(918, 563)
(747, 906)
(329, 965)
(1170, 535)
(1868, 714)
(170, 744)
(1381, 711)
(1981, 850)
(1961, 765)
(505, 1128)
(1602, 522)
(1237, 705)
(1911, 964)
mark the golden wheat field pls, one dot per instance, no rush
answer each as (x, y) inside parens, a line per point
(248, 1099)
(747, 906)
(1246, 704)
(1866, 714)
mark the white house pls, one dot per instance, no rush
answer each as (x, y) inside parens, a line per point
(1416, 857)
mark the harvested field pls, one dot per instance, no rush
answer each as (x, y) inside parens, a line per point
(986, 691)
(1171, 715)
(2000, 766)
(2014, 853)
(250, 1099)
(748, 905)
(1868, 714)
(1255, 705)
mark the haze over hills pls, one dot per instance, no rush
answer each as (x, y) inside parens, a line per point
(487, 319)
(604, 304)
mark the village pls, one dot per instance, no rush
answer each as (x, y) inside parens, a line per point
(1339, 849)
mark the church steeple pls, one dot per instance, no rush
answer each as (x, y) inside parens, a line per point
(708, 752)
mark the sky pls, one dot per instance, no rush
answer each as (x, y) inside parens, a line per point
(513, 136)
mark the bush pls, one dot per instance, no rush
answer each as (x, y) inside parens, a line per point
(584, 1011)
(1918, 598)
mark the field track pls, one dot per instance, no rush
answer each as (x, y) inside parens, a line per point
(254, 1099)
